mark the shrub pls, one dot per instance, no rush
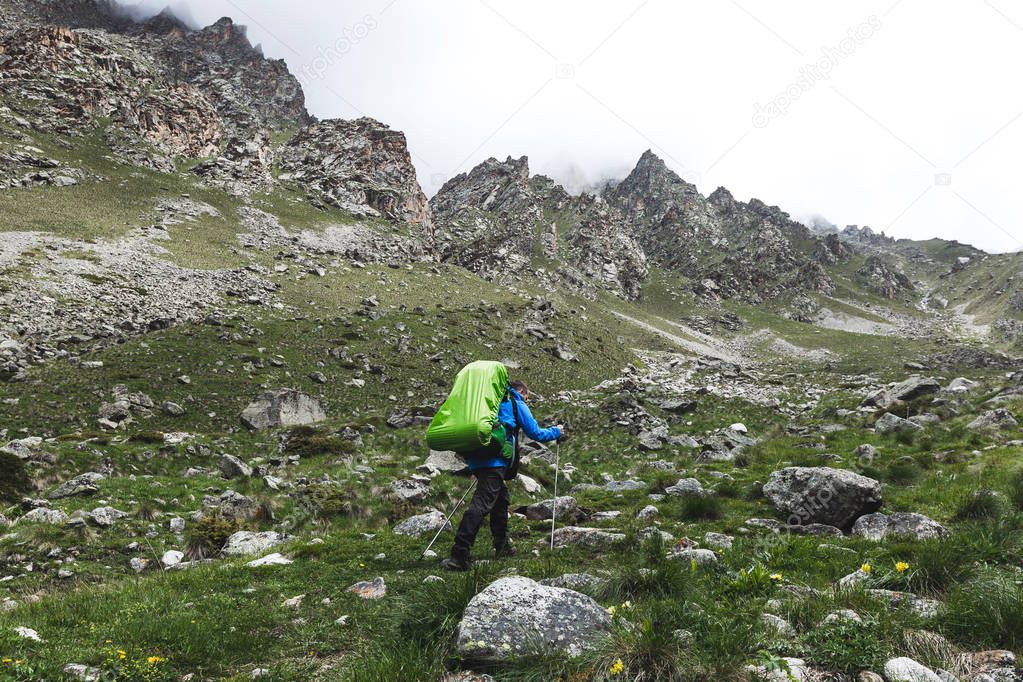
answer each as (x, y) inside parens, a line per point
(208, 535)
(308, 441)
(903, 471)
(846, 646)
(701, 507)
(1016, 489)
(147, 437)
(995, 600)
(982, 504)
(14, 478)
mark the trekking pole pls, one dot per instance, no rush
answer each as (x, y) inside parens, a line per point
(554, 507)
(448, 519)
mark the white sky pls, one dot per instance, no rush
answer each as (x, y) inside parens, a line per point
(917, 130)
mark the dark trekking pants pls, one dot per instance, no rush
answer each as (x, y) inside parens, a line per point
(491, 497)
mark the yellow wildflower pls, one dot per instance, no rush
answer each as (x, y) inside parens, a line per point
(617, 667)
(627, 605)
(8, 660)
(153, 660)
(611, 610)
(902, 567)
(775, 576)
(122, 654)
(866, 568)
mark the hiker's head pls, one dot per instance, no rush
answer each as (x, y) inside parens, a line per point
(520, 387)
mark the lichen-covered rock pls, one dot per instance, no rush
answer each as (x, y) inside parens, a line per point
(80, 485)
(993, 420)
(244, 166)
(892, 423)
(904, 669)
(578, 536)
(515, 617)
(910, 525)
(422, 524)
(544, 509)
(249, 542)
(834, 497)
(282, 407)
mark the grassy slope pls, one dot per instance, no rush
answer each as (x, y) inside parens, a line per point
(223, 619)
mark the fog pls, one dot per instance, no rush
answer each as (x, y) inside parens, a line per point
(897, 114)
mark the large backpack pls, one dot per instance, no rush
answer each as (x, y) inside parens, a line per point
(467, 421)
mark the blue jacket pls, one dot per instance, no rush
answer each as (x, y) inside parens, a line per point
(506, 415)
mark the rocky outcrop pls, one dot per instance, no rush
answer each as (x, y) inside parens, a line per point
(70, 80)
(361, 166)
(882, 278)
(244, 166)
(501, 223)
(910, 525)
(515, 617)
(727, 248)
(834, 497)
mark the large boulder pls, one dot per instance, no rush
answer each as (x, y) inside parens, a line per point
(834, 497)
(443, 461)
(910, 389)
(282, 407)
(892, 423)
(993, 420)
(248, 542)
(578, 536)
(515, 617)
(899, 524)
(544, 509)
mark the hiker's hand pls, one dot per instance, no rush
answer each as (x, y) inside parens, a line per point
(561, 430)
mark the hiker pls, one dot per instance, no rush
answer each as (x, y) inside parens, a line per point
(491, 496)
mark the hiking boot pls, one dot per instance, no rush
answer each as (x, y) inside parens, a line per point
(453, 564)
(506, 550)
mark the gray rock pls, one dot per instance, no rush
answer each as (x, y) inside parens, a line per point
(443, 461)
(515, 617)
(797, 671)
(718, 540)
(890, 423)
(921, 606)
(410, 490)
(566, 509)
(647, 512)
(172, 409)
(83, 484)
(54, 517)
(701, 557)
(249, 542)
(993, 420)
(422, 524)
(878, 526)
(686, 487)
(369, 589)
(961, 385)
(578, 536)
(904, 669)
(171, 558)
(82, 672)
(622, 486)
(106, 516)
(282, 407)
(232, 467)
(834, 497)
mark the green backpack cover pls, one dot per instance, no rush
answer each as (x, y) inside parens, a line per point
(466, 420)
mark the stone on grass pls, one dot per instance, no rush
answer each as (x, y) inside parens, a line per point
(904, 669)
(993, 420)
(686, 487)
(647, 512)
(779, 625)
(797, 671)
(83, 484)
(577, 536)
(410, 490)
(85, 673)
(171, 557)
(892, 423)
(28, 633)
(54, 517)
(422, 524)
(106, 516)
(369, 589)
(699, 557)
(543, 510)
(515, 617)
(249, 542)
(275, 559)
(232, 467)
(909, 525)
(443, 461)
(835, 497)
(924, 607)
(282, 407)
(718, 540)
